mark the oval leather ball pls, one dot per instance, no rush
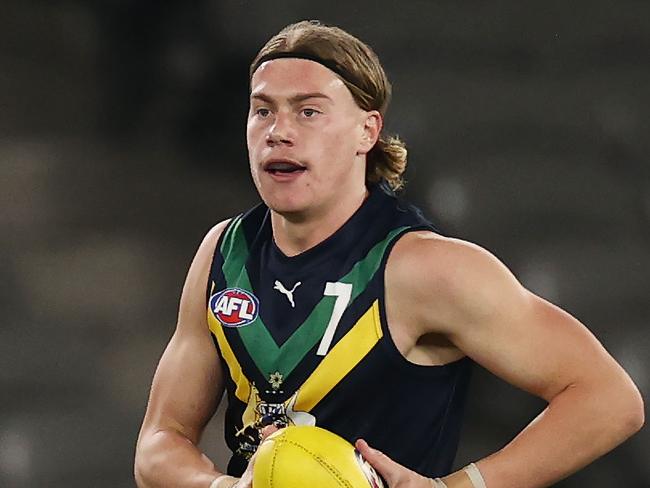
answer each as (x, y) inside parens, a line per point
(311, 457)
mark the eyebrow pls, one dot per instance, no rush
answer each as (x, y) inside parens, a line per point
(299, 97)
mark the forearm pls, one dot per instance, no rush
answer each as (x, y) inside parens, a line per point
(579, 425)
(166, 458)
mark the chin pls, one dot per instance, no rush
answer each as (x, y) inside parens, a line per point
(286, 205)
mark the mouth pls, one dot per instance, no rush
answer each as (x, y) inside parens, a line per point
(278, 167)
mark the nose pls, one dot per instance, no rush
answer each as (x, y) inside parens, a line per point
(281, 131)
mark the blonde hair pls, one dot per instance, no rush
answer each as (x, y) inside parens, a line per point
(359, 68)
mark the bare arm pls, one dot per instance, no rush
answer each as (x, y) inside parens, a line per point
(461, 291)
(186, 389)
(532, 344)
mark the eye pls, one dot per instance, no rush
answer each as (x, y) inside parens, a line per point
(309, 112)
(262, 112)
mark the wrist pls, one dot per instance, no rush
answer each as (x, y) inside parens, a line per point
(468, 477)
(475, 476)
(224, 481)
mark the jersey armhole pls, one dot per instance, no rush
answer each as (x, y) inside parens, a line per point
(215, 263)
(215, 269)
(389, 346)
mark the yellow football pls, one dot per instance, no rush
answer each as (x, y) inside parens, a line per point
(303, 456)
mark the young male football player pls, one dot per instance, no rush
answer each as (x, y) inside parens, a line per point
(334, 304)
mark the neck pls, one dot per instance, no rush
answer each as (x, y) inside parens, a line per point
(295, 234)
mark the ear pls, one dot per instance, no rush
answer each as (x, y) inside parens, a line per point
(372, 125)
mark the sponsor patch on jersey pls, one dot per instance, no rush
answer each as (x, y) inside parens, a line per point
(234, 307)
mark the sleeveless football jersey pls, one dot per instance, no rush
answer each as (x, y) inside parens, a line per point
(304, 340)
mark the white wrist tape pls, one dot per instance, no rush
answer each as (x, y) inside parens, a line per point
(438, 483)
(224, 481)
(475, 476)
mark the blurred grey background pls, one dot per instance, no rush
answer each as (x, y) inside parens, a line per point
(122, 141)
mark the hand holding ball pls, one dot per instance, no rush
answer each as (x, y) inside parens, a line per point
(304, 456)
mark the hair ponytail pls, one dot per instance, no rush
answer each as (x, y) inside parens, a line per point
(387, 161)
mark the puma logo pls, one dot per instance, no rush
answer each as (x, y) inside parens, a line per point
(289, 293)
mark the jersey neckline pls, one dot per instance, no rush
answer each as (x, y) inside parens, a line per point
(342, 238)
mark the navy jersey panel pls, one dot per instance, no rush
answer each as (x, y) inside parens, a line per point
(415, 419)
(304, 340)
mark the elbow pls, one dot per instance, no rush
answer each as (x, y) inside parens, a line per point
(618, 409)
(146, 461)
(145, 468)
(140, 469)
(139, 476)
(631, 411)
(636, 417)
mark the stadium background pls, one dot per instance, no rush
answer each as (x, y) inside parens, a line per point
(122, 142)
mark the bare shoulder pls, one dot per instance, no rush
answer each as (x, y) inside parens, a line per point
(209, 243)
(428, 245)
(429, 258)
(196, 282)
(212, 236)
(450, 279)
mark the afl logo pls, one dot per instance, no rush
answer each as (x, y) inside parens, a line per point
(234, 307)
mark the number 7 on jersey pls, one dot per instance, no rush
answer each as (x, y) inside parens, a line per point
(343, 293)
